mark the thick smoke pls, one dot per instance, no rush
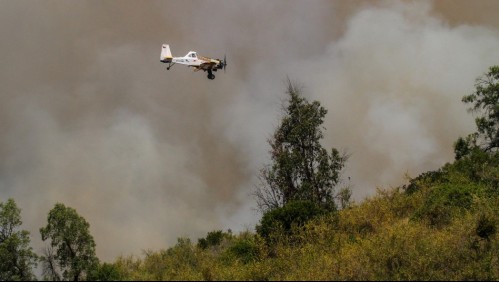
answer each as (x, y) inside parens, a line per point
(393, 85)
(90, 117)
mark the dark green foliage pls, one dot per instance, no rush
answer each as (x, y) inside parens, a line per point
(464, 146)
(71, 240)
(444, 201)
(202, 243)
(486, 226)
(425, 179)
(480, 167)
(213, 238)
(245, 250)
(301, 168)
(477, 167)
(485, 102)
(105, 272)
(284, 219)
(16, 256)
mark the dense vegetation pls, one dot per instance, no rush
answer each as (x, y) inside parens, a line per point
(441, 225)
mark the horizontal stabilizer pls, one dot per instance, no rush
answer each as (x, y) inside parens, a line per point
(166, 54)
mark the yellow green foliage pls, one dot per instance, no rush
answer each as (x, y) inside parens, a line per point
(385, 237)
(443, 225)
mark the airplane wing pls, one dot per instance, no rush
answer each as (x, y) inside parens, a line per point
(207, 66)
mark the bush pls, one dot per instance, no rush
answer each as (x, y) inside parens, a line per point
(213, 239)
(486, 226)
(244, 250)
(480, 167)
(284, 219)
(443, 201)
(105, 272)
(425, 179)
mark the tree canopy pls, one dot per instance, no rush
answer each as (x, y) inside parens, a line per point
(72, 248)
(17, 258)
(485, 103)
(301, 169)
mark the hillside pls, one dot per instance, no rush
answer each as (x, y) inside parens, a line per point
(441, 226)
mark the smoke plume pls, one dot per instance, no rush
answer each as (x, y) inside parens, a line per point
(89, 116)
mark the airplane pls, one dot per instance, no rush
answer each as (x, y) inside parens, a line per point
(192, 59)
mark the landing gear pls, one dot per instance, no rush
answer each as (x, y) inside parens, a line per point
(211, 75)
(169, 66)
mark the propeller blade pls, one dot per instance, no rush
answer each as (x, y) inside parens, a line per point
(225, 62)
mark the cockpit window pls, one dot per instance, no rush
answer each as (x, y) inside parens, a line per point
(193, 55)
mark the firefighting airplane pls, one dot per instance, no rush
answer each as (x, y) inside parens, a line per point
(193, 60)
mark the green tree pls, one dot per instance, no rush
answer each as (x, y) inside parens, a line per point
(485, 103)
(301, 169)
(213, 238)
(73, 246)
(105, 272)
(282, 220)
(16, 256)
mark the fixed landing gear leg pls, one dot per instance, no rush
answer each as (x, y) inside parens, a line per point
(169, 66)
(211, 75)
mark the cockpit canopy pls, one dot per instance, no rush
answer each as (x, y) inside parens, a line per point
(192, 54)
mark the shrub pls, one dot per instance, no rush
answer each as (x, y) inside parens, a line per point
(244, 250)
(213, 239)
(106, 272)
(443, 200)
(293, 214)
(424, 180)
(486, 226)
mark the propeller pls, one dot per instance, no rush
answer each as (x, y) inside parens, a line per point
(225, 62)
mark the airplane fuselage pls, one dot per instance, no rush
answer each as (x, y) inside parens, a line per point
(193, 60)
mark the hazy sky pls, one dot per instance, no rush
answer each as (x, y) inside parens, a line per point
(89, 116)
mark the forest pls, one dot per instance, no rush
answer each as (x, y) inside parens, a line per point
(440, 225)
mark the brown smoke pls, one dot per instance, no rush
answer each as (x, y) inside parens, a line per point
(91, 118)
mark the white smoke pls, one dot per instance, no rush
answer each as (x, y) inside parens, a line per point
(393, 85)
(90, 118)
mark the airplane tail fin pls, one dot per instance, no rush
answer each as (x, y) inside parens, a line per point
(166, 54)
